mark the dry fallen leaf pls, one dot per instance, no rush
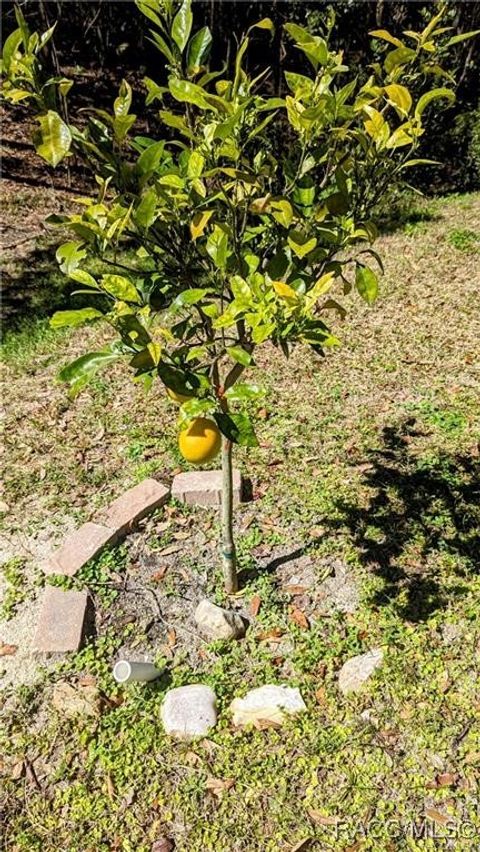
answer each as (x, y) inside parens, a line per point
(437, 816)
(255, 604)
(446, 779)
(171, 638)
(110, 788)
(163, 844)
(298, 617)
(167, 551)
(321, 695)
(75, 700)
(8, 650)
(157, 576)
(301, 845)
(320, 819)
(273, 633)
(295, 590)
(218, 786)
(264, 724)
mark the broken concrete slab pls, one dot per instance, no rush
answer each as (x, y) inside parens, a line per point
(124, 512)
(204, 487)
(62, 621)
(81, 546)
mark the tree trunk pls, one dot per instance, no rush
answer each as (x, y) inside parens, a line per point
(229, 559)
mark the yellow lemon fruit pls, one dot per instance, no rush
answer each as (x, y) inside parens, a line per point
(177, 397)
(200, 441)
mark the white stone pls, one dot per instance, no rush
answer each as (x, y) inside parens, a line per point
(355, 672)
(189, 711)
(267, 704)
(218, 623)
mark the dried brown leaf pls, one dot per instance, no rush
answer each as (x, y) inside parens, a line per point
(255, 604)
(296, 616)
(7, 650)
(321, 819)
(218, 786)
(163, 844)
(437, 816)
(159, 575)
(273, 633)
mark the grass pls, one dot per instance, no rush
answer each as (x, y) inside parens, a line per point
(369, 460)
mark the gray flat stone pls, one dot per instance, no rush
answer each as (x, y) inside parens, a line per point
(204, 487)
(81, 546)
(218, 623)
(267, 704)
(61, 622)
(189, 711)
(124, 512)
(355, 672)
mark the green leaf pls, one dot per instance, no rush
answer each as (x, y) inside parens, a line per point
(190, 297)
(120, 288)
(150, 158)
(237, 428)
(410, 163)
(10, 48)
(84, 278)
(400, 56)
(61, 319)
(217, 247)
(69, 256)
(79, 372)
(431, 96)
(199, 50)
(176, 121)
(299, 34)
(182, 25)
(240, 355)
(243, 392)
(144, 214)
(149, 13)
(186, 92)
(122, 104)
(367, 283)
(462, 37)
(54, 139)
(161, 45)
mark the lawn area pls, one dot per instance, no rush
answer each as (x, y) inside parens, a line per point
(362, 532)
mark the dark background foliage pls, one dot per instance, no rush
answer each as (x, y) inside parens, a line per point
(99, 41)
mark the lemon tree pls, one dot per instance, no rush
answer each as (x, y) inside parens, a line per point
(250, 215)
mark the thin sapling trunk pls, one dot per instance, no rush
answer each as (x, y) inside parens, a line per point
(229, 559)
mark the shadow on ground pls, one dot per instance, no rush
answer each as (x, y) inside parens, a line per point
(424, 512)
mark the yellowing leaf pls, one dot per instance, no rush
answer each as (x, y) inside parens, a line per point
(284, 291)
(54, 138)
(376, 126)
(282, 212)
(199, 223)
(385, 36)
(399, 97)
(400, 137)
(298, 246)
(155, 351)
(319, 289)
